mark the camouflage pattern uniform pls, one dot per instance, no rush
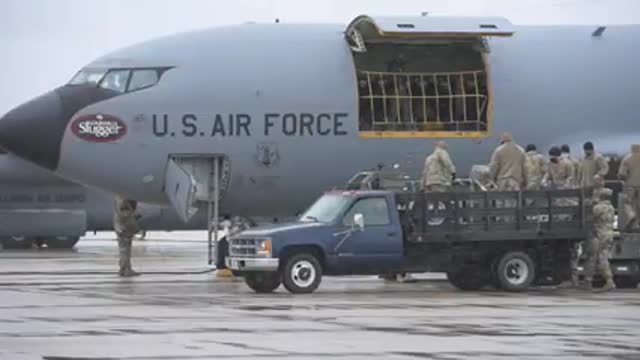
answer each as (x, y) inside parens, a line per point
(438, 170)
(630, 173)
(125, 226)
(558, 174)
(534, 169)
(572, 179)
(590, 166)
(600, 242)
(507, 165)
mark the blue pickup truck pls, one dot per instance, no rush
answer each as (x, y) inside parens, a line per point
(510, 240)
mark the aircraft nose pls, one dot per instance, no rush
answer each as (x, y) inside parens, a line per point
(34, 130)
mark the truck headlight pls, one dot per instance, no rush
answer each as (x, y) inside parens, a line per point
(263, 247)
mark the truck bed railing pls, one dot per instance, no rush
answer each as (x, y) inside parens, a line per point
(493, 215)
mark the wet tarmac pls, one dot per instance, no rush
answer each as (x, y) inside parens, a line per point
(71, 305)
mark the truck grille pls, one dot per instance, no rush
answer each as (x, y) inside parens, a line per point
(243, 247)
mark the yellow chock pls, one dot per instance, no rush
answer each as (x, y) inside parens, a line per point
(224, 273)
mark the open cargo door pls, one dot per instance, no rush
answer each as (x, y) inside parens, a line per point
(180, 187)
(424, 76)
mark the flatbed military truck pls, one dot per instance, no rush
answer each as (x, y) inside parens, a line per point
(510, 240)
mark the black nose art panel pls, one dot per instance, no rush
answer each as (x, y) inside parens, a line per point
(34, 130)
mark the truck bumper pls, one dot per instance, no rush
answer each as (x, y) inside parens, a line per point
(252, 264)
(620, 268)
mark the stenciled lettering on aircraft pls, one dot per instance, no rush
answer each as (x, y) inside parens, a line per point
(99, 128)
(239, 125)
(58, 198)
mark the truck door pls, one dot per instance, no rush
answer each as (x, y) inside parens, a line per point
(378, 247)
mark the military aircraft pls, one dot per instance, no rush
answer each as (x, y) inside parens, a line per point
(267, 116)
(38, 207)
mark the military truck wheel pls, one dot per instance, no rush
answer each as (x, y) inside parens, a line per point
(17, 242)
(625, 282)
(262, 282)
(468, 279)
(61, 242)
(515, 271)
(302, 274)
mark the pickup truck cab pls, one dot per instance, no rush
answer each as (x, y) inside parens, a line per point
(467, 235)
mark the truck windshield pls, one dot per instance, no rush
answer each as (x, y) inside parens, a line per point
(326, 209)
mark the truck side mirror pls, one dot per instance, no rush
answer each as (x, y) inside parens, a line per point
(358, 220)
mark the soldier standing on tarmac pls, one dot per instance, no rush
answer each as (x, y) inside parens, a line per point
(600, 242)
(439, 170)
(630, 173)
(126, 226)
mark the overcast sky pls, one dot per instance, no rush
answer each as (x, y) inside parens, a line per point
(44, 42)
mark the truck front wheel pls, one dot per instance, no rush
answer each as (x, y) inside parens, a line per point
(515, 271)
(262, 282)
(302, 274)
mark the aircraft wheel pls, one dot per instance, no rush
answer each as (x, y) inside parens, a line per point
(302, 274)
(515, 271)
(17, 242)
(468, 278)
(61, 242)
(262, 282)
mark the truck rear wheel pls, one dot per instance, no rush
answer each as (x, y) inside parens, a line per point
(468, 278)
(61, 242)
(262, 282)
(625, 282)
(515, 271)
(302, 274)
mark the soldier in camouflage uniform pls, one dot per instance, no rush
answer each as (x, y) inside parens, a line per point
(572, 181)
(507, 164)
(559, 171)
(630, 172)
(439, 170)
(126, 226)
(593, 164)
(534, 168)
(600, 242)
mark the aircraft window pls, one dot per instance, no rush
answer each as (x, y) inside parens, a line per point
(88, 76)
(116, 80)
(141, 79)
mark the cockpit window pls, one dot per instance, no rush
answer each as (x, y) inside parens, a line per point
(141, 79)
(116, 80)
(122, 80)
(88, 77)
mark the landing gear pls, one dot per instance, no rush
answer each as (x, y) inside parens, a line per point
(17, 242)
(61, 242)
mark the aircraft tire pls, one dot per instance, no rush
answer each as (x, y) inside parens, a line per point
(17, 242)
(467, 279)
(262, 282)
(302, 274)
(515, 271)
(61, 242)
